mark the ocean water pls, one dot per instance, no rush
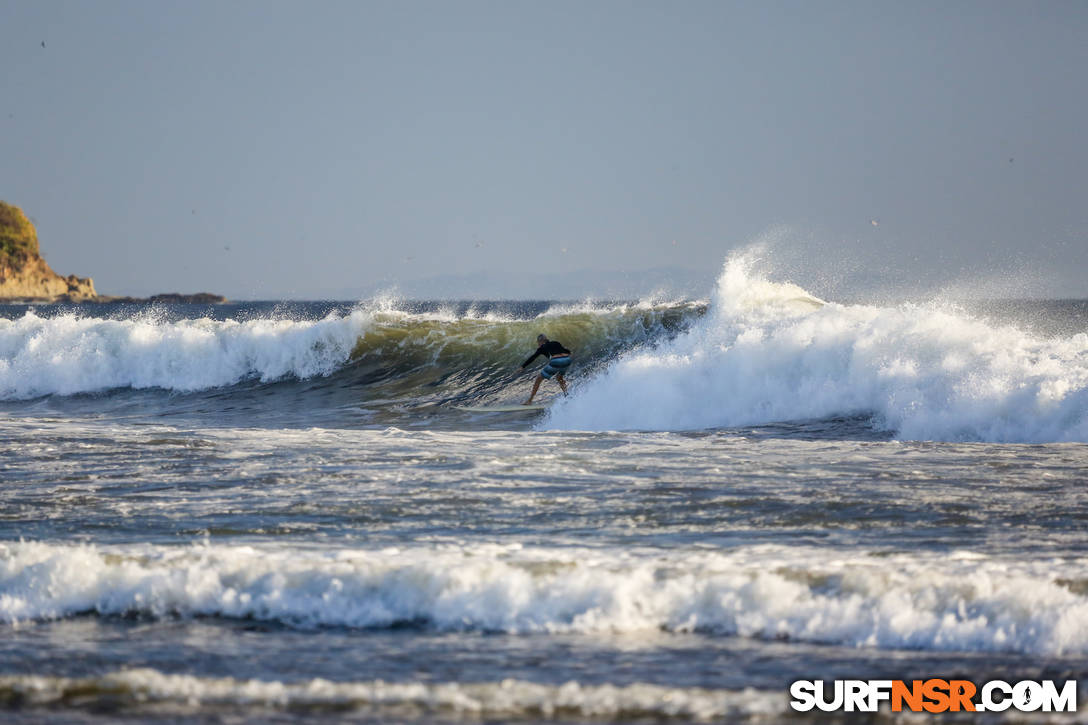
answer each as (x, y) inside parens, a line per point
(276, 512)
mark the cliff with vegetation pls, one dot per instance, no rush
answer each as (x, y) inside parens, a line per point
(25, 276)
(23, 272)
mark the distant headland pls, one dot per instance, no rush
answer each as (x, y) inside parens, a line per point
(25, 276)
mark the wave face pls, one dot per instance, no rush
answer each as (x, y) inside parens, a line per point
(925, 601)
(769, 352)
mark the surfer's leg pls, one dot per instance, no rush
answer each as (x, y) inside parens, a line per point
(562, 382)
(536, 387)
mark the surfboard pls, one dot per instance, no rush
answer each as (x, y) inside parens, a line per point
(499, 408)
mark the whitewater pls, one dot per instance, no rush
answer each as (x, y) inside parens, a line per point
(772, 352)
(277, 511)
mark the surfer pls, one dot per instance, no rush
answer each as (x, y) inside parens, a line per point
(558, 362)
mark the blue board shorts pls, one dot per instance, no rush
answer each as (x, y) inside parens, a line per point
(555, 365)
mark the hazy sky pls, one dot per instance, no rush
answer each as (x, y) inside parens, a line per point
(324, 149)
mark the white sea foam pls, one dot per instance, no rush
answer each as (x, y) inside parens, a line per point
(960, 602)
(71, 354)
(769, 352)
(507, 698)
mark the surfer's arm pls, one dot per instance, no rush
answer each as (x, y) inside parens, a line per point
(539, 351)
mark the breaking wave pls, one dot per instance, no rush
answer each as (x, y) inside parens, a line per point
(760, 352)
(945, 602)
(374, 345)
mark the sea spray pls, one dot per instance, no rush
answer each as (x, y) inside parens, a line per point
(768, 352)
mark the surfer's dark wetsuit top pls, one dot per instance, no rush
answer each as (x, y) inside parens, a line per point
(558, 358)
(551, 349)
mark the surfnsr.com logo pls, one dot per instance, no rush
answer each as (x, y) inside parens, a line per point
(933, 695)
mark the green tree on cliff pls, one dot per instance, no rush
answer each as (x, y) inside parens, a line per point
(18, 240)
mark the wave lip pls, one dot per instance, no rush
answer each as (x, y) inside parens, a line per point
(508, 698)
(965, 602)
(769, 352)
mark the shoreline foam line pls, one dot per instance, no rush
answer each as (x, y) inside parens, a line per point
(144, 688)
(926, 601)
